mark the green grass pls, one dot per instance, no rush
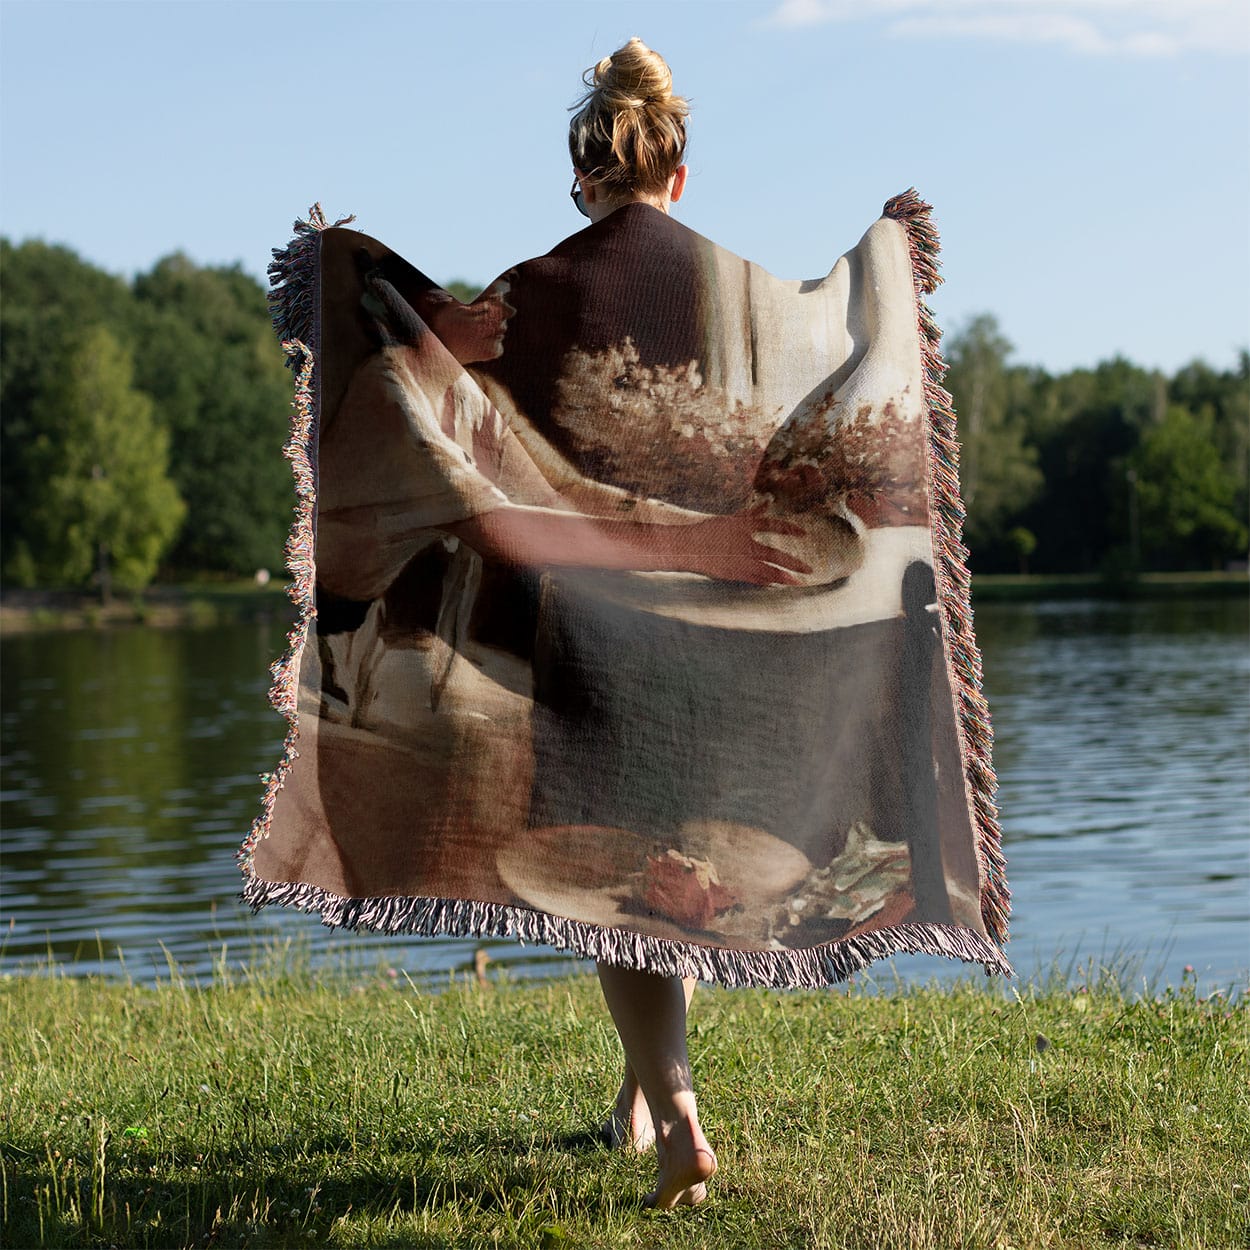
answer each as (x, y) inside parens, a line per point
(291, 1109)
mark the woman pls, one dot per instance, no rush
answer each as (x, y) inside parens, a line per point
(628, 143)
(626, 630)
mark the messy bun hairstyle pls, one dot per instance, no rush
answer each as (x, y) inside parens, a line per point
(629, 131)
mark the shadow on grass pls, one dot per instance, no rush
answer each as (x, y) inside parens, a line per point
(263, 1197)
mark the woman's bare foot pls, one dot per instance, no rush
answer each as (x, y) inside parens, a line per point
(629, 1126)
(686, 1165)
(649, 1012)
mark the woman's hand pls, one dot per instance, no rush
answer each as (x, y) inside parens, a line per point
(725, 548)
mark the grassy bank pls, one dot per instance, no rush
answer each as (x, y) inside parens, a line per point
(283, 1110)
(998, 587)
(186, 604)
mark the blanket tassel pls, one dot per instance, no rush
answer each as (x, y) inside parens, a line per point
(963, 659)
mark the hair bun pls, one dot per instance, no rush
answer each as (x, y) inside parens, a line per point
(629, 131)
(634, 76)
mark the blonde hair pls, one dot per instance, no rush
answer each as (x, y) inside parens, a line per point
(629, 131)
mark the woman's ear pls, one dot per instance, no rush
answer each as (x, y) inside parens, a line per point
(678, 184)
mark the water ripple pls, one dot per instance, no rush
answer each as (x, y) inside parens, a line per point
(1121, 735)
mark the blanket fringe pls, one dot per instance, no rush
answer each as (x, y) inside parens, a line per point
(295, 297)
(294, 302)
(781, 969)
(954, 582)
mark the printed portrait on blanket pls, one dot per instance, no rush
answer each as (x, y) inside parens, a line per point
(625, 596)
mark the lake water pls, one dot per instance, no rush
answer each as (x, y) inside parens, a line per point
(130, 762)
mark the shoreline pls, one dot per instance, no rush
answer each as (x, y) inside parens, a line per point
(1123, 975)
(200, 605)
(1023, 587)
(173, 606)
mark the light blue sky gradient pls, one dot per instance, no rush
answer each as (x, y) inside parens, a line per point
(1089, 160)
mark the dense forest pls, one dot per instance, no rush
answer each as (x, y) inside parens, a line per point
(142, 423)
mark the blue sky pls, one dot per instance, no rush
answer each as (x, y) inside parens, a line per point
(1089, 160)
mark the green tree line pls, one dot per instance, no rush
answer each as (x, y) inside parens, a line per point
(1113, 469)
(142, 423)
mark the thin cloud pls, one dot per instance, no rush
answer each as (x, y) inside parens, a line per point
(1136, 28)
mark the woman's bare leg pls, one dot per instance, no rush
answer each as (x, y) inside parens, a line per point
(629, 1124)
(650, 1015)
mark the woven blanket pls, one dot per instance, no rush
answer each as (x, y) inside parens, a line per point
(634, 617)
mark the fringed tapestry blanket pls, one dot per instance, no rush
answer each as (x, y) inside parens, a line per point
(634, 615)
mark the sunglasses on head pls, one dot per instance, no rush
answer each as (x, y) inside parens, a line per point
(576, 196)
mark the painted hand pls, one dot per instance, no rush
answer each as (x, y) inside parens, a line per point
(725, 548)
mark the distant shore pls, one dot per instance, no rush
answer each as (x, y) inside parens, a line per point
(202, 604)
(1000, 587)
(177, 605)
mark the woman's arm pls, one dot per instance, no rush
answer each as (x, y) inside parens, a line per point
(721, 547)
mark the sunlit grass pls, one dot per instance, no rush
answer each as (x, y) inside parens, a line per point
(277, 1107)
